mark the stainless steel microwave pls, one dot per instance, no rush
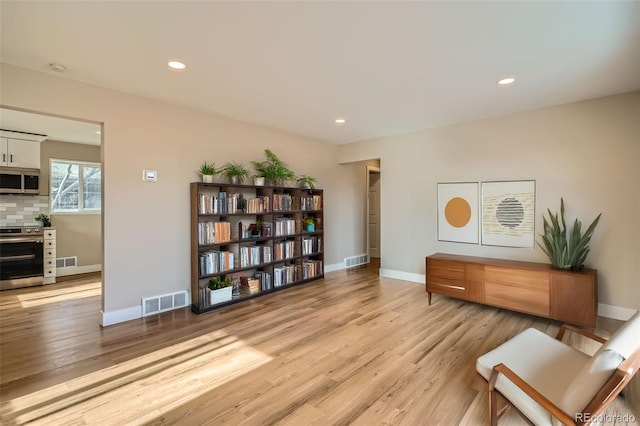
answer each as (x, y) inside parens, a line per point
(19, 181)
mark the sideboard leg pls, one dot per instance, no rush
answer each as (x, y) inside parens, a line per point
(429, 297)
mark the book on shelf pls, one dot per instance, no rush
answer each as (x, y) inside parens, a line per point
(311, 268)
(250, 256)
(311, 245)
(265, 280)
(213, 262)
(284, 250)
(282, 202)
(285, 274)
(285, 226)
(213, 232)
(258, 205)
(313, 202)
(221, 203)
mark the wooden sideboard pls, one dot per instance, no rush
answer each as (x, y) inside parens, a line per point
(531, 288)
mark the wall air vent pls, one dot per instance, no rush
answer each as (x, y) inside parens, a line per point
(350, 262)
(165, 302)
(66, 262)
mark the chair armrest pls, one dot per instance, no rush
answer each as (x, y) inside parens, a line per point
(530, 391)
(585, 333)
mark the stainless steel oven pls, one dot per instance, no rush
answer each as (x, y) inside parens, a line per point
(21, 257)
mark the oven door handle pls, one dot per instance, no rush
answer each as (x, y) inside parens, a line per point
(21, 240)
(21, 257)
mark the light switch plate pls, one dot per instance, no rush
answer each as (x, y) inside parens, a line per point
(150, 175)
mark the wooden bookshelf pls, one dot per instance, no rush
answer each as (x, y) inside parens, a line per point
(216, 208)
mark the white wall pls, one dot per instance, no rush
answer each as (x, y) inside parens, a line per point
(587, 152)
(146, 225)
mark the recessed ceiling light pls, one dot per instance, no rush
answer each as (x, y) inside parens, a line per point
(98, 132)
(506, 81)
(176, 65)
(57, 67)
(340, 121)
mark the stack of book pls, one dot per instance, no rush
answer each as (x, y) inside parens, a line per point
(249, 285)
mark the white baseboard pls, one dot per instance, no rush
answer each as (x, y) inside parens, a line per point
(75, 270)
(615, 312)
(334, 267)
(121, 315)
(401, 275)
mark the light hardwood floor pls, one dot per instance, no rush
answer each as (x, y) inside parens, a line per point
(350, 349)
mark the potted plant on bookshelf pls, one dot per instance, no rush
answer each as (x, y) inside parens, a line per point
(220, 290)
(309, 224)
(44, 219)
(566, 251)
(208, 171)
(235, 172)
(306, 182)
(273, 169)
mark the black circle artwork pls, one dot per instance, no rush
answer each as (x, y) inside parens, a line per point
(510, 213)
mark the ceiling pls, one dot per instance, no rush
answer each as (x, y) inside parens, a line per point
(55, 128)
(388, 67)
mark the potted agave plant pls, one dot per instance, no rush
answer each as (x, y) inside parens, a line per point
(566, 250)
(220, 290)
(208, 171)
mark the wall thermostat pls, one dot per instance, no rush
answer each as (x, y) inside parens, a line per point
(149, 175)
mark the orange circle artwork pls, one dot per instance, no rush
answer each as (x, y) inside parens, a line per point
(457, 212)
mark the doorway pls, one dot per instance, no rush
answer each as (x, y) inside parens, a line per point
(373, 213)
(70, 168)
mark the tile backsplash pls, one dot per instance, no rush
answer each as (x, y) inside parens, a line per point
(22, 209)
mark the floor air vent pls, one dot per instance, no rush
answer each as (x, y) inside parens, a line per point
(350, 262)
(165, 302)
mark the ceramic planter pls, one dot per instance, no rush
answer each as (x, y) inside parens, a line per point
(220, 295)
(207, 178)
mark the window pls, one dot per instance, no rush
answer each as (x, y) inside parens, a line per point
(75, 187)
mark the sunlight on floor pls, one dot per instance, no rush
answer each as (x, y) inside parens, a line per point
(143, 388)
(56, 295)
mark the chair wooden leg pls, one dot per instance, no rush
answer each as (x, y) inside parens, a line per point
(493, 408)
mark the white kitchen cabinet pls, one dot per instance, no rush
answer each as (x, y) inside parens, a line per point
(19, 153)
(49, 256)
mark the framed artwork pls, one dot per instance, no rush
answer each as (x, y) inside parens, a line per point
(508, 213)
(458, 212)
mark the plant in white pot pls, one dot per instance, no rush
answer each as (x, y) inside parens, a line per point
(235, 172)
(208, 171)
(220, 290)
(566, 251)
